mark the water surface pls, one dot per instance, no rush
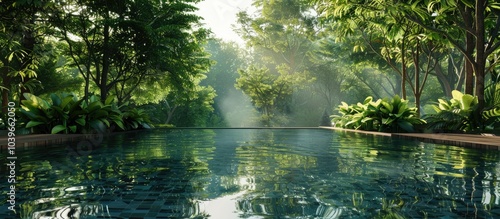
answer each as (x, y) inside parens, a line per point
(254, 173)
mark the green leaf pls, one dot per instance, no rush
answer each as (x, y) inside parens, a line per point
(33, 124)
(145, 125)
(120, 124)
(457, 95)
(94, 106)
(55, 99)
(37, 101)
(105, 121)
(366, 119)
(80, 121)
(57, 129)
(67, 100)
(387, 106)
(405, 125)
(368, 100)
(97, 125)
(467, 102)
(109, 100)
(388, 121)
(491, 113)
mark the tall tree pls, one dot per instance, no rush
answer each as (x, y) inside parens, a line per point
(280, 37)
(20, 38)
(119, 46)
(382, 29)
(471, 27)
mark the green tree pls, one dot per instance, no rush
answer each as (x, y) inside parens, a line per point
(384, 28)
(119, 46)
(55, 73)
(20, 37)
(230, 104)
(280, 38)
(471, 27)
(189, 108)
(267, 91)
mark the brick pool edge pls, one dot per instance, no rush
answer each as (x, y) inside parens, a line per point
(489, 142)
(34, 140)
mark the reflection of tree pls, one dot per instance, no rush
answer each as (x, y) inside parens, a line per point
(149, 168)
(279, 163)
(271, 173)
(411, 176)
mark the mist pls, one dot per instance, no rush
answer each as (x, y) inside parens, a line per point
(236, 110)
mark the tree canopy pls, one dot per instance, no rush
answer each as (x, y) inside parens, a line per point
(301, 58)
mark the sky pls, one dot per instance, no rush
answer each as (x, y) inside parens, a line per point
(219, 15)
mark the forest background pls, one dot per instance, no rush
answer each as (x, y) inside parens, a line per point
(300, 60)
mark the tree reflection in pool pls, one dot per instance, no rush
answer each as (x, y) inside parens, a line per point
(256, 173)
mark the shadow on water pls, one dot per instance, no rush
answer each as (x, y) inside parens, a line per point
(257, 173)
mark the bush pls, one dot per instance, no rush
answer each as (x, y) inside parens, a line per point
(66, 114)
(385, 115)
(458, 115)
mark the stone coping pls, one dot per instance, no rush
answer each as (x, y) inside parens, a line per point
(32, 140)
(490, 142)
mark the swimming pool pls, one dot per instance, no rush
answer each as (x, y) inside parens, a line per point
(255, 173)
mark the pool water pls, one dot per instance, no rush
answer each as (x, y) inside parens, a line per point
(253, 173)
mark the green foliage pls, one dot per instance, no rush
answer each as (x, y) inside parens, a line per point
(269, 92)
(280, 36)
(458, 114)
(62, 115)
(134, 118)
(66, 114)
(128, 47)
(385, 115)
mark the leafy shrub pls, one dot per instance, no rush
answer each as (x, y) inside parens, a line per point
(63, 114)
(386, 115)
(66, 114)
(458, 114)
(134, 118)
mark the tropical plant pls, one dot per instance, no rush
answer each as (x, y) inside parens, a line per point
(134, 118)
(386, 115)
(66, 114)
(397, 116)
(44, 117)
(100, 116)
(458, 114)
(355, 116)
(492, 109)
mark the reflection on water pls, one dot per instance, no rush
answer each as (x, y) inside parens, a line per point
(227, 173)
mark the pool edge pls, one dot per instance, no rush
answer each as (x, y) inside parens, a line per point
(462, 140)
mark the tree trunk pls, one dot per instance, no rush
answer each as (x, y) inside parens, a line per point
(417, 78)
(469, 69)
(403, 73)
(480, 56)
(456, 75)
(5, 93)
(103, 83)
(469, 49)
(443, 80)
